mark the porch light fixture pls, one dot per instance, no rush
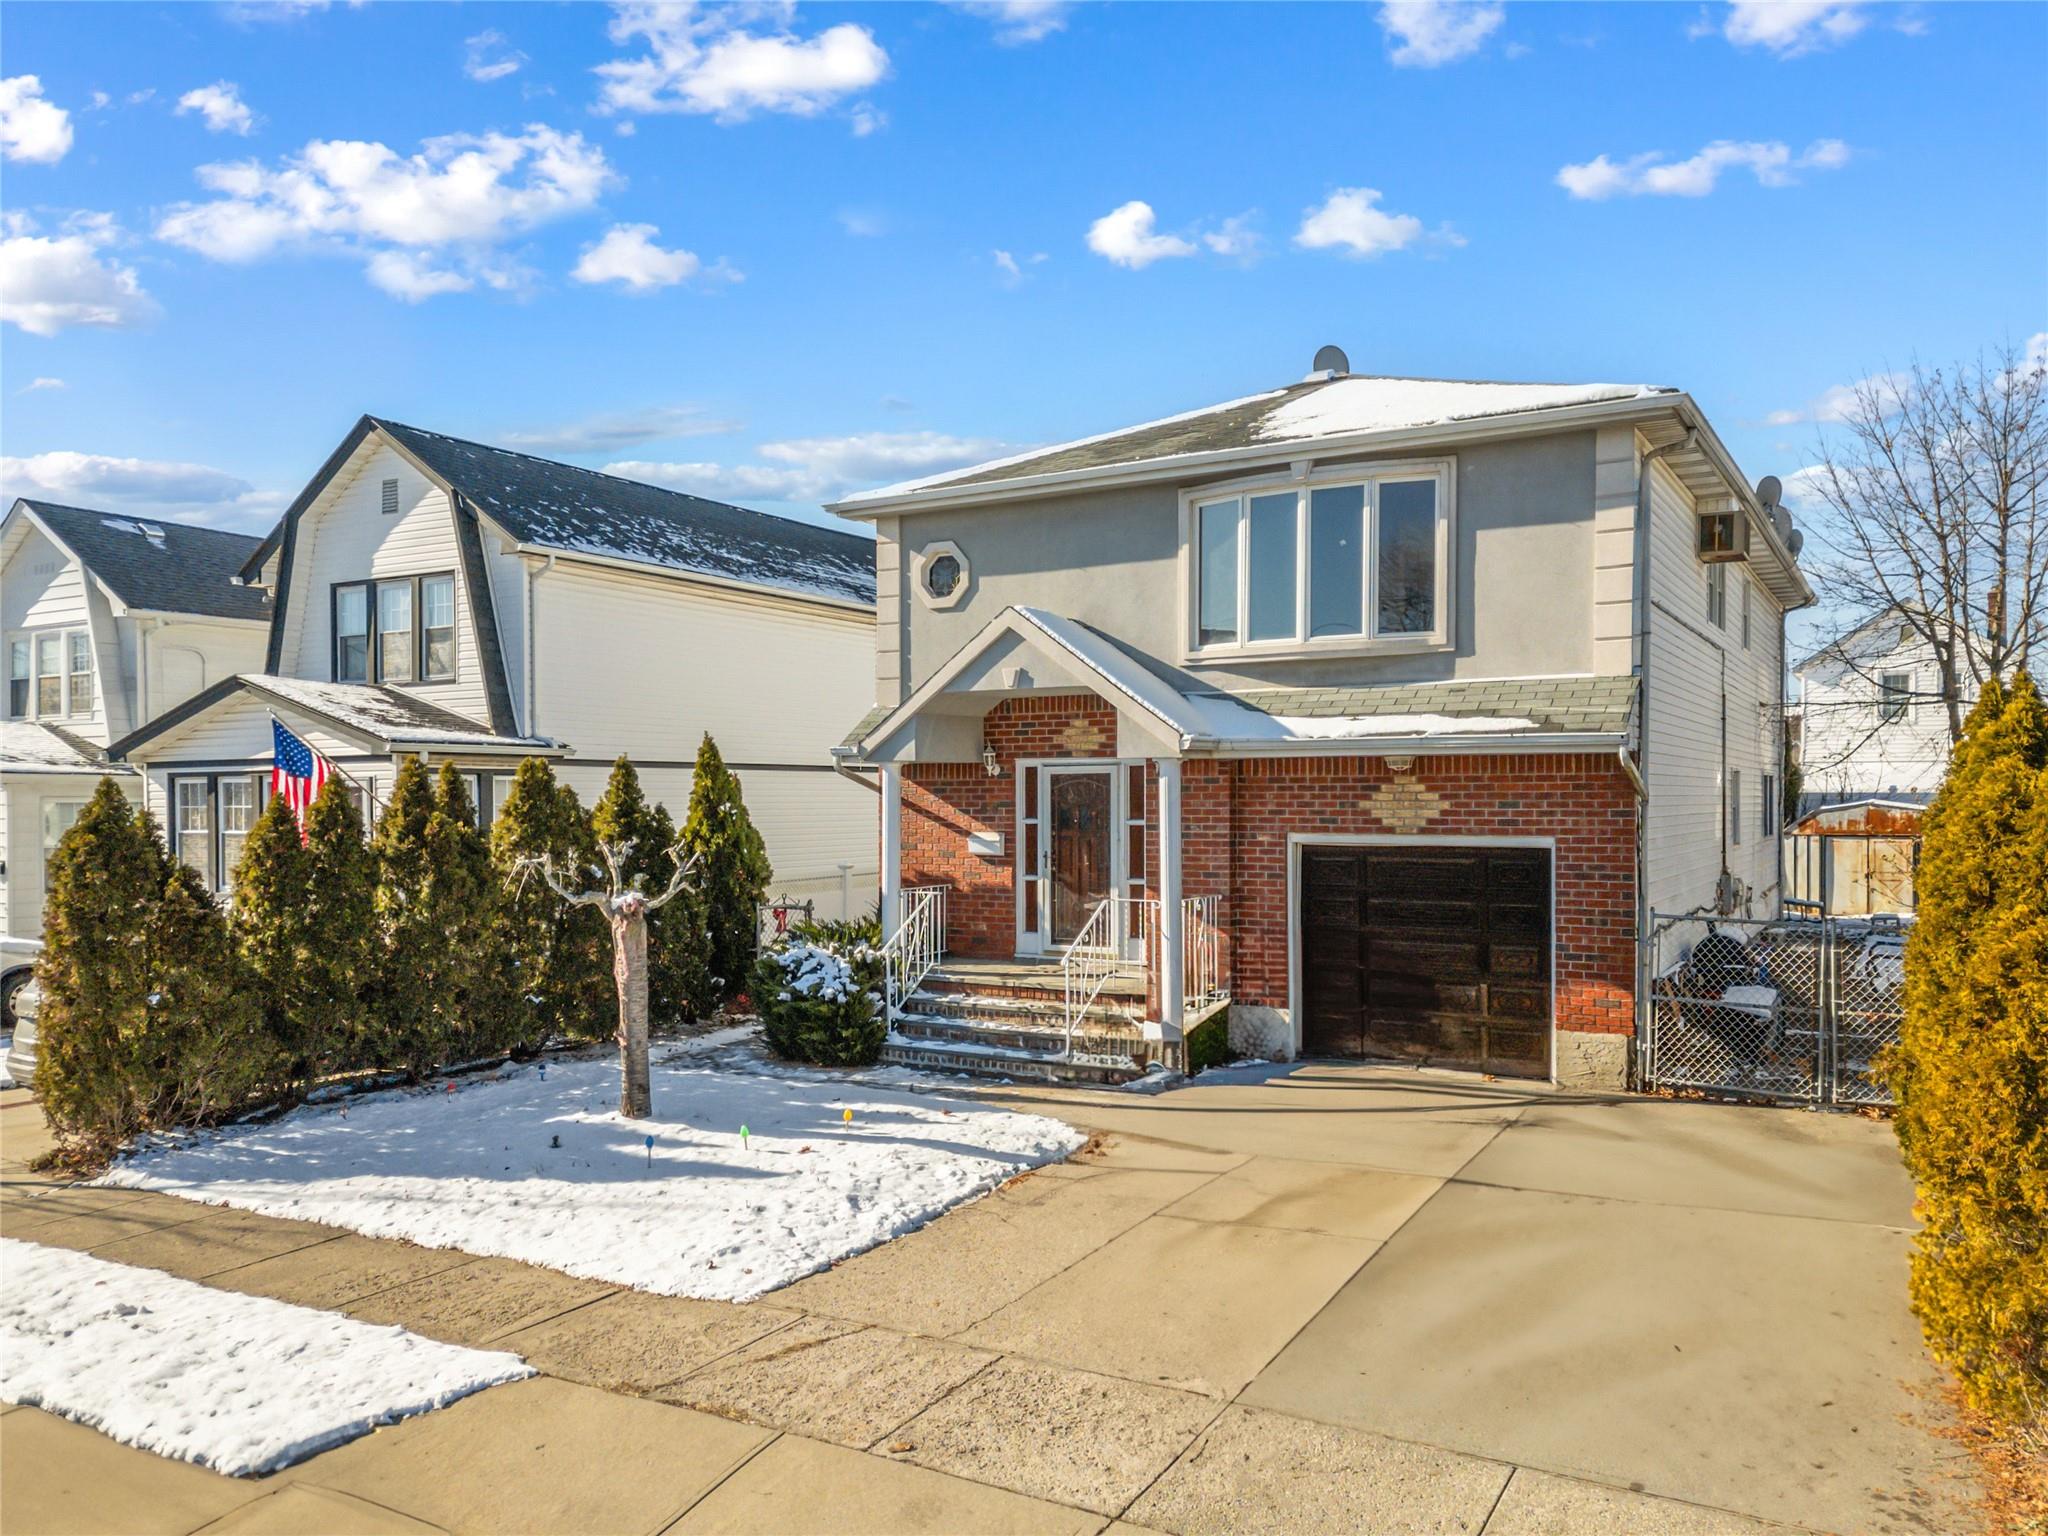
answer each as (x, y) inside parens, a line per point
(988, 761)
(1400, 764)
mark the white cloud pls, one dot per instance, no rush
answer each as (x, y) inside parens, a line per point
(246, 11)
(818, 468)
(32, 130)
(36, 385)
(628, 256)
(51, 282)
(1653, 175)
(731, 61)
(1839, 402)
(221, 105)
(626, 429)
(1019, 21)
(1426, 33)
(489, 56)
(138, 486)
(1235, 239)
(863, 223)
(1011, 269)
(1789, 28)
(867, 120)
(1126, 236)
(1348, 220)
(459, 198)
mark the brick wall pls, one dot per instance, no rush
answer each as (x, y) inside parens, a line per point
(1237, 816)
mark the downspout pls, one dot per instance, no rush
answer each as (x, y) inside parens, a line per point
(847, 773)
(532, 671)
(1640, 666)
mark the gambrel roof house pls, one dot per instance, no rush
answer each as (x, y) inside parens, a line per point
(1361, 716)
(107, 619)
(443, 599)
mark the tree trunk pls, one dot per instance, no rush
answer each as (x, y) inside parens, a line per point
(629, 967)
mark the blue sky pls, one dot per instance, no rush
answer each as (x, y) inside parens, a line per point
(758, 247)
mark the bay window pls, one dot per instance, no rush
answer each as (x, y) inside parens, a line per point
(1340, 562)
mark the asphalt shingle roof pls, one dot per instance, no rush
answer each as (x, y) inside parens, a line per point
(189, 570)
(558, 506)
(1597, 705)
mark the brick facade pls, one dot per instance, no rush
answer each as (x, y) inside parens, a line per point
(1239, 813)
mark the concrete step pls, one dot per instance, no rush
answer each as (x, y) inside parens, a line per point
(1033, 1037)
(1046, 1012)
(995, 1061)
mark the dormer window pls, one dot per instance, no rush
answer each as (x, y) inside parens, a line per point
(396, 630)
(1348, 561)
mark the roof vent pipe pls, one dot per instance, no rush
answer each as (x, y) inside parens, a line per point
(1330, 363)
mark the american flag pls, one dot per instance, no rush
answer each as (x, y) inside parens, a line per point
(296, 773)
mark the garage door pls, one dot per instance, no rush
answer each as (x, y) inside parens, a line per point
(1428, 954)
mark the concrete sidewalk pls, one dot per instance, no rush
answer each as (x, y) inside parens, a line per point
(1327, 1299)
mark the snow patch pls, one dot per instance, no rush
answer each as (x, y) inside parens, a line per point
(1366, 404)
(241, 1384)
(536, 1164)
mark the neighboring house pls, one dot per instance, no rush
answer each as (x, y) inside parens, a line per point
(1377, 712)
(1872, 722)
(106, 620)
(440, 599)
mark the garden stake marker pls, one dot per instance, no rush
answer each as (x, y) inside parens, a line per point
(847, 1115)
(743, 1138)
(650, 1151)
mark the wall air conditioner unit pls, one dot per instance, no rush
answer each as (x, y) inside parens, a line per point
(1723, 535)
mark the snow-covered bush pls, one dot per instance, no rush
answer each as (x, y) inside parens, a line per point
(819, 992)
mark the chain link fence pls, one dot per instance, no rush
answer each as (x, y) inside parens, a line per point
(1790, 1008)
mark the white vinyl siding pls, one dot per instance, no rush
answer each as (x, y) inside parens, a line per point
(1846, 749)
(790, 677)
(346, 536)
(1694, 811)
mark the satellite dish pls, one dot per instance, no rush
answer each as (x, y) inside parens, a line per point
(1769, 491)
(1781, 519)
(1796, 543)
(1330, 360)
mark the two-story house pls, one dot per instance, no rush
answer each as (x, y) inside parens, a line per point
(106, 620)
(1374, 716)
(1873, 723)
(441, 599)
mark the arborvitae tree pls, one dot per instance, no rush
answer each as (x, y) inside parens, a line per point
(471, 997)
(147, 1021)
(559, 953)
(94, 973)
(402, 1032)
(732, 868)
(1971, 1070)
(678, 962)
(269, 926)
(341, 951)
(208, 1050)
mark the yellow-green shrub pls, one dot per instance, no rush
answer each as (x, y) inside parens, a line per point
(1971, 1068)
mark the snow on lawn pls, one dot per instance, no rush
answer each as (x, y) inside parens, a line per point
(242, 1384)
(699, 1213)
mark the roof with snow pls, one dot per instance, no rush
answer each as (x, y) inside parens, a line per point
(1341, 406)
(583, 511)
(153, 564)
(27, 746)
(1552, 711)
(382, 719)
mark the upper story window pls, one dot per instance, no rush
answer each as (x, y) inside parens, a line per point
(1894, 695)
(50, 674)
(1745, 614)
(1350, 562)
(940, 572)
(397, 629)
(1717, 595)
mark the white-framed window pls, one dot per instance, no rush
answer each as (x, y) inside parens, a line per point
(437, 628)
(19, 677)
(1342, 561)
(78, 675)
(1894, 695)
(1745, 613)
(941, 574)
(1134, 830)
(59, 816)
(1735, 807)
(49, 675)
(1717, 595)
(212, 816)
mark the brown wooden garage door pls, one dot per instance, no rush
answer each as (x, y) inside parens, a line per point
(1428, 954)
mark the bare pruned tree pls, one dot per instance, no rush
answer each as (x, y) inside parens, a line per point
(627, 906)
(1931, 483)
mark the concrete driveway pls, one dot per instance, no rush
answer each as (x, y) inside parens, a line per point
(1325, 1299)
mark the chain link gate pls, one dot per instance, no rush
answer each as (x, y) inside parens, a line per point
(1785, 1008)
